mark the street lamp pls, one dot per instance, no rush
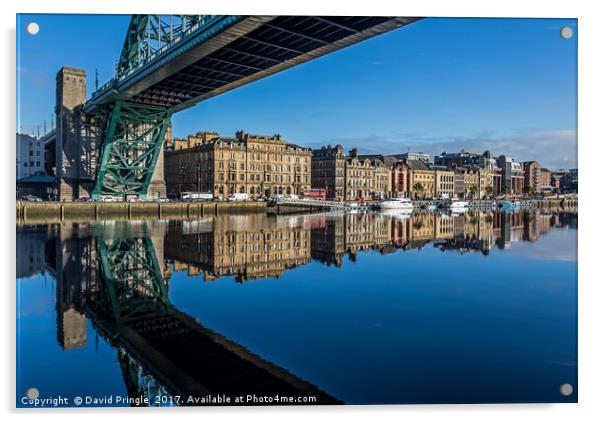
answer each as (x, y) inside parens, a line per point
(198, 176)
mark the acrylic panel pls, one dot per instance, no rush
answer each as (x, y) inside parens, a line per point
(295, 210)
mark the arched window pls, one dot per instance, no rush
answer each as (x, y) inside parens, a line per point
(242, 189)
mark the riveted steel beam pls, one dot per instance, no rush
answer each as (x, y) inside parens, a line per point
(131, 144)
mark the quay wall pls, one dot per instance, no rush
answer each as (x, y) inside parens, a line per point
(54, 212)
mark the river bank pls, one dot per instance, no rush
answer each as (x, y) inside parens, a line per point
(53, 212)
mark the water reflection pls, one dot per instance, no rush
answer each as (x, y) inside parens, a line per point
(117, 275)
(260, 246)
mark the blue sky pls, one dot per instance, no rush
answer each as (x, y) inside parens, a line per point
(507, 85)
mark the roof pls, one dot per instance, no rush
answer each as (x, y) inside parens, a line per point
(374, 159)
(439, 168)
(417, 165)
(37, 178)
(390, 160)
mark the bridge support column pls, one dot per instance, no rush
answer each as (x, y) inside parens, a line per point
(131, 145)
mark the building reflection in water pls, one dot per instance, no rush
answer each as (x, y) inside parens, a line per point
(110, 273)
(116, 274)
(260, 246)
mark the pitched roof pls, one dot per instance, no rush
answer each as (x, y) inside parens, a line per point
(417, 165)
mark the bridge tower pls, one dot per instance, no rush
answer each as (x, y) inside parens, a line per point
(70, 94)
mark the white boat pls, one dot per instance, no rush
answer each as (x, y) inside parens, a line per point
(397, 204)
(456, 204)
(398, 213)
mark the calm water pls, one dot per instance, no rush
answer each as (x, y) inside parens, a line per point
(354, 308)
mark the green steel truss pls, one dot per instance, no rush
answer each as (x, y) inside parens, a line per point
(133, 134)
(132, 278)
(148, 35)
(132, 139)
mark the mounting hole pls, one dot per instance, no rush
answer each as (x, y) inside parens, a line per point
(32, 28)
(566, 33)
(566, 389)
(32, 393)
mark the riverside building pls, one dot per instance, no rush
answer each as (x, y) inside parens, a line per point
(260, 166)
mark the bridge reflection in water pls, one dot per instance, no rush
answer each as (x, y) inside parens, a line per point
(110, 274)
(117, 275)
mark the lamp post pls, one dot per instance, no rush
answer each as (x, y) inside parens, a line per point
(198, 176)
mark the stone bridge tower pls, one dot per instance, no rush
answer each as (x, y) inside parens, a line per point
(78, 141)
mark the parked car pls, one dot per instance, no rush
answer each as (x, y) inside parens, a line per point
(238, 197)
(83, 199)
(30, 198)
(110, 199)
(163, 199)
(196, 196)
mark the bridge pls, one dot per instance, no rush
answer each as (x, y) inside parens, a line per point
(169, 63)
(110, 273)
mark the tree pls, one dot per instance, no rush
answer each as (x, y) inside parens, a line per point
(489, 191)
(473, 191)
(418, 187)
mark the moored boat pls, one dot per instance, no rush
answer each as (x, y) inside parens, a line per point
(397, 204)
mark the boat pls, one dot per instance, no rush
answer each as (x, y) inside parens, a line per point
(510, 205)
(455, 204)
(397, 204)
(397, 213)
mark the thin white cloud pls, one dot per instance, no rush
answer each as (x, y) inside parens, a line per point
(553, 149)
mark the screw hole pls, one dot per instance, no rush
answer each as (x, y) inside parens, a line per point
(32, 28)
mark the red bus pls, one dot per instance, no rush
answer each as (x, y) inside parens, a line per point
(315, 194)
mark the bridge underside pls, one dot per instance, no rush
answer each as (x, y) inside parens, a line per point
(230, 52)
(276, 44)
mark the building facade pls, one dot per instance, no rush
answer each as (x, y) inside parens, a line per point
(414, 156)
(422, 180)
(349, 178)
(444, 182)
(399, 177)
(30, 156)
(512, 176)
(545, 179)
(260, 166)
(366, 177)
(532, 171)
(328, 171)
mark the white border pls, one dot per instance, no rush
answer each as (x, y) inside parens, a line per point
(590, 353)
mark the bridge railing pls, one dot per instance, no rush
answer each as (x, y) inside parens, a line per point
(153, 39)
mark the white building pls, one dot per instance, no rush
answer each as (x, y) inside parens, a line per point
(30, 156)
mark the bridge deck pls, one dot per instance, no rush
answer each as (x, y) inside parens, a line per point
(193, 361)
(234, 51)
